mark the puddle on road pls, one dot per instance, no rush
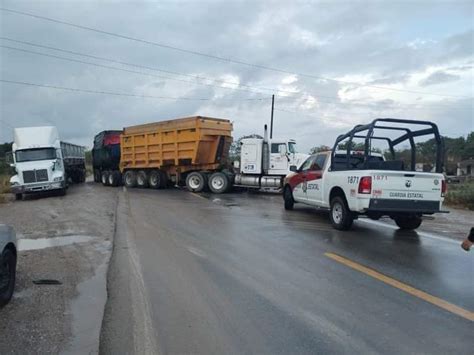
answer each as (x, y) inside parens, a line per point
(42, 243)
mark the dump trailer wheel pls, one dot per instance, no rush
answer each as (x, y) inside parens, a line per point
(164, 179)
(118, 177)
(155, 179)
(130, 178)
(96, 175)
(218, 182)
(105, 178)
(408, 222)
(114, 178)
(142, 179)
(196, 181)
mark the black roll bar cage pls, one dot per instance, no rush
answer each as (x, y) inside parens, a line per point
(409, 135)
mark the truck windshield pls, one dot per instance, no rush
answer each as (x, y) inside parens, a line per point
(292, 147)
(35, 154)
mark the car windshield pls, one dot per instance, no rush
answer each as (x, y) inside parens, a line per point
(35, 154)
(292, 147)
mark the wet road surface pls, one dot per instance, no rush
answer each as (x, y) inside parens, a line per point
(236, 273)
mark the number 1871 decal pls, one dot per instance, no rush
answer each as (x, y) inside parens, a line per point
(352, 179)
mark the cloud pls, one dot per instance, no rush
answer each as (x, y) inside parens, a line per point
(375, 43)
(439, 77)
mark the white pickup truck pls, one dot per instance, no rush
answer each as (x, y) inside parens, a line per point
(351, 183)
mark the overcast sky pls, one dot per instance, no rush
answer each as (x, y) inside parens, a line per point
(351, 62)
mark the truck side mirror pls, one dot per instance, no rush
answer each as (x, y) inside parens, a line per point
(293, 168)
(282, 149)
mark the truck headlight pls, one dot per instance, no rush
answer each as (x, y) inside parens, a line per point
(59, 178)
(14, 183)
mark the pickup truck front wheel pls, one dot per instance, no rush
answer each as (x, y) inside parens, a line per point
(341, 216)
(408, 222)
(288, 198)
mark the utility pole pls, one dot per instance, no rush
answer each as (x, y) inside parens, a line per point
(271, 121)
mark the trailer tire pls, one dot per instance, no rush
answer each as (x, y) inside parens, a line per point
(155, 179)
(218, 183)
(408, 222)
(105, 177)
(8, 266)
(130, 178)
(114, 178)
(340, 215)
(142, 179)
(288, 198)
(96, 175)
(164, 179)
(196, 181)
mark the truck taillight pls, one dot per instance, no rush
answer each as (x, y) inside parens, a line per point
(365, 185)
(444, 188)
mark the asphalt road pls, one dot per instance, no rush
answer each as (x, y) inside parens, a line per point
(236, 273)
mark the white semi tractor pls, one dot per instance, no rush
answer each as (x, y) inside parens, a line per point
(265, 162)
(43, 163)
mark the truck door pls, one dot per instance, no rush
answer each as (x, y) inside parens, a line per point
(278, 159)
(314, 186)
(300, 180)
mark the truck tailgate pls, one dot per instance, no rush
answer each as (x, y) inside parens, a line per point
(401, 185)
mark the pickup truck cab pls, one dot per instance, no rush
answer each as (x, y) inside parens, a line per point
(353, 183)
(8, 255)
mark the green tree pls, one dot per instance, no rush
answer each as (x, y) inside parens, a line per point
(319, 148)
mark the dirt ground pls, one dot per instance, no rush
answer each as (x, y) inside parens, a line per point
(44, 318)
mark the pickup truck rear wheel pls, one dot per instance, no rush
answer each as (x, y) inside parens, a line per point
(288, 198)
(408, 222)
(7, 276)
(341, 216)
(130, 178)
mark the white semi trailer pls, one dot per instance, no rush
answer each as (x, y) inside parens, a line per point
(43, 163)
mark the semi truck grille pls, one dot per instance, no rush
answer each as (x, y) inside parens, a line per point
(41, 175)
(35, 176)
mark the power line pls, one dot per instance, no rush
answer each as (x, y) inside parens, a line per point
(115, 68)
(215, 57)
(198, 77)
(253, 89)
(116, 93)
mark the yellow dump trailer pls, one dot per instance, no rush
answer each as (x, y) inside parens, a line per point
(182, 150)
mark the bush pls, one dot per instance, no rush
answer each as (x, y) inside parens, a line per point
(4, 184)
(461, 194)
